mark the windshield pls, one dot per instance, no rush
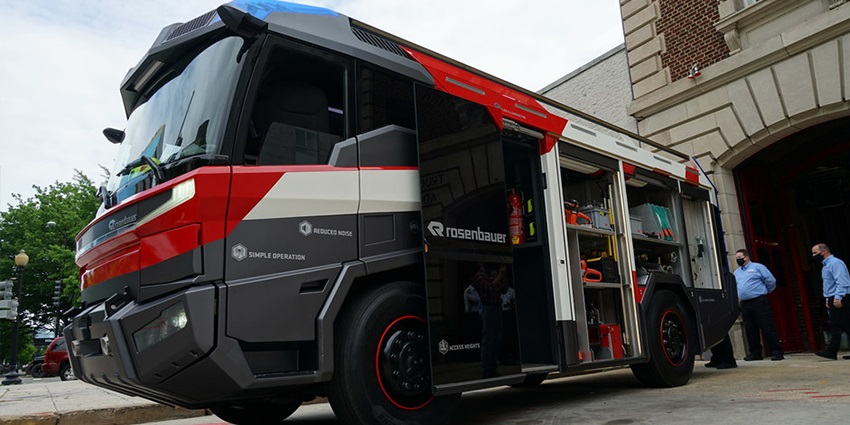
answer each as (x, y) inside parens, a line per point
(184, 118)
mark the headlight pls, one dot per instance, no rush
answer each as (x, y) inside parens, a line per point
(169, 322)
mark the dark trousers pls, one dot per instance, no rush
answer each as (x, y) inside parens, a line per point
(837, 323)
(758, 316)
(722, 352)
(491, 337)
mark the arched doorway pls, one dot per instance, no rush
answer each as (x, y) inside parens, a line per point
(794, 194)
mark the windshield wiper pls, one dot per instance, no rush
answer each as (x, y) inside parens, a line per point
(179, 141)
(158, 175)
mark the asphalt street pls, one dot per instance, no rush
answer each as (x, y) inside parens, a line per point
(802, 389)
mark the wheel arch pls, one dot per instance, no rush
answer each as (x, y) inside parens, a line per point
(356, 279)
(673, 283)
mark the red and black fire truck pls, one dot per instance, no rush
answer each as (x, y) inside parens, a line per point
(304, 205)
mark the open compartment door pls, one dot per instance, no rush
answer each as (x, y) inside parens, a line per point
(468, 255)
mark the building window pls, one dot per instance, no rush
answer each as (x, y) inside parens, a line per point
(747, 3)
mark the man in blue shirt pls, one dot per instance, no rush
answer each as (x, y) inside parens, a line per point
(836, 285)
(754, 282)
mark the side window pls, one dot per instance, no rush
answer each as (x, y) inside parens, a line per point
(299, 114)
(60, 346)
(383, 100)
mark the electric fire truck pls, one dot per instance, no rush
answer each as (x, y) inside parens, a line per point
(304, 205)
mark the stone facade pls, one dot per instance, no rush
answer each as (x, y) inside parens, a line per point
(769, 69)
(758, 95)
(782, 71)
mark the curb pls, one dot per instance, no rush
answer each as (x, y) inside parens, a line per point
(115, 416)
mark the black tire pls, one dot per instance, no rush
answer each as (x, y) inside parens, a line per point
(382, 368)
(37, 371)
(670, 341)
(65, 372)
(259, 413)
(531, 381)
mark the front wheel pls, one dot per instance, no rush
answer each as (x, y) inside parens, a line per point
(256, 413)
(65, 372)
(382, 370)
(669, 338)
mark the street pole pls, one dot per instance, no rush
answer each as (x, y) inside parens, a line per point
(12, 378)
(57, 305)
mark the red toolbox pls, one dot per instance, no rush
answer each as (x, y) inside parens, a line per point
(611, 339)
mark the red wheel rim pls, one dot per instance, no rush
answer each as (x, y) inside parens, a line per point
(402, 363)
(674, 338)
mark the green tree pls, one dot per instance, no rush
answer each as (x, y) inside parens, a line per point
(68, 207)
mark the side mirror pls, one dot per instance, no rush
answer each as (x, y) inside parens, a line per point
(113, 135)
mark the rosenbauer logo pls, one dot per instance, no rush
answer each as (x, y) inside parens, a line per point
(117, 224)
(439, 230)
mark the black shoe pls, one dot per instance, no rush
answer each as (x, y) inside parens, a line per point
(827, 354)
(727, 365)
(752, 357)
(847, 357)
(777, 357)
(712, 364)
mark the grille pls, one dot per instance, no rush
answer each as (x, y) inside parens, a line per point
(199, 22)
(379, 42)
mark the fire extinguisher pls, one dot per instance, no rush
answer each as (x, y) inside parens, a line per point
(516, 228)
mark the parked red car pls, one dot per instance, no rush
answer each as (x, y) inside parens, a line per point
(56, 360)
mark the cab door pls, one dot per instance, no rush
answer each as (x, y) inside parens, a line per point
(295, 198)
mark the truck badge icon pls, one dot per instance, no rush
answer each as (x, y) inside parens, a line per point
(305, 227)
(239, 252)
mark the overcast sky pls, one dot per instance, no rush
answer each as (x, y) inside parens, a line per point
(61, 62)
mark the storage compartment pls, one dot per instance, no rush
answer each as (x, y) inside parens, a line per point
(657, 222)
(604, 329)
(656, 217)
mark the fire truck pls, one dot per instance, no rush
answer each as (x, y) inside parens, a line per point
(304, 205)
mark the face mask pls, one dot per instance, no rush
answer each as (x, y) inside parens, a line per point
(740, 261)
(817, 258)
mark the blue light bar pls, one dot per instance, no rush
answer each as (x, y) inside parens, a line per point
(263, 8)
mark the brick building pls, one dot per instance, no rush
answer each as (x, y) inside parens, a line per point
(758, 92)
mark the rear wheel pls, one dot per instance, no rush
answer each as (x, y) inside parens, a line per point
(382, 368)
(37, 371)
(256, 412)
(669, 338)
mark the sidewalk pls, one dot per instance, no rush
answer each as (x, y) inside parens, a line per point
(803, 388)
(78, 403)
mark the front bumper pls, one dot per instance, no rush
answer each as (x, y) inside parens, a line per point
(103, 351)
